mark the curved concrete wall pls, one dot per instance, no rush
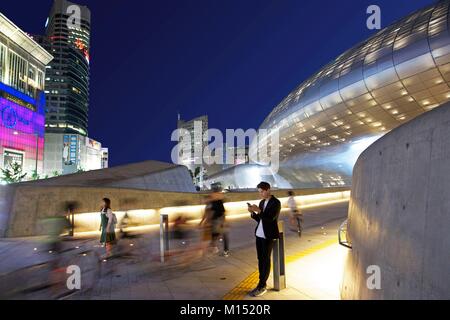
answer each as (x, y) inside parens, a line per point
(399, 213)
(146, 175)
(22, 206)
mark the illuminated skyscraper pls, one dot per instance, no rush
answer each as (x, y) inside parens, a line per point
(196, 129)
(68, 148)
(67, 38)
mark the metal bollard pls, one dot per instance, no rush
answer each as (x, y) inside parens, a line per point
(279, 263)
(164, 236)
(71, 217)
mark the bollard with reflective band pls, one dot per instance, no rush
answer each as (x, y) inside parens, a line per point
(279, 261)
(164, 236)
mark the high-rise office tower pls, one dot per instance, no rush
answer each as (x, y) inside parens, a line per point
(195, 145)
(67, 38)
(68, 148)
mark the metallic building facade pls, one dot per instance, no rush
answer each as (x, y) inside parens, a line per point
(397, 74)
(324, 124)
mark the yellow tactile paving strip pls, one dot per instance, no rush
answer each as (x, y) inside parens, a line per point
(249, 283)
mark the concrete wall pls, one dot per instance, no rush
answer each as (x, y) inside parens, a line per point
(147, 175)
(399, 213)
(6, 196)
(25, 205)
(175, 179)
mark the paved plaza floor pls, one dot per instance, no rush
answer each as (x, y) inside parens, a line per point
(314, 265)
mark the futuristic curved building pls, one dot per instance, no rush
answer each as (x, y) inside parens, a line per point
(325, 123)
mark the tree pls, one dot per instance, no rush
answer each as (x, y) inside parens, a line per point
(197, 172)
(13, 173)
(197, 175)
(35, 175)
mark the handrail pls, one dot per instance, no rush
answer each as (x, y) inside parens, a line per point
(342, 235)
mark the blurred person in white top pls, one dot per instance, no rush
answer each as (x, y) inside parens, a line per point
(294, 209)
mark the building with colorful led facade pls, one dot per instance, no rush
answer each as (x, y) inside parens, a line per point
(325, 123)
(22, 99)
(67, 38)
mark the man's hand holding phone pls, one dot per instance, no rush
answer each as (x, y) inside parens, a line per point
(253, 208)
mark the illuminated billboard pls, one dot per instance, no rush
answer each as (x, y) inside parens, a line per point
(70, 153)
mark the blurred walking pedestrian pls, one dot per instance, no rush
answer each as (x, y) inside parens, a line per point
(53, 228)
(218, 227)
(296, 216)
(206, 225)
(181, 229)
(123, 226)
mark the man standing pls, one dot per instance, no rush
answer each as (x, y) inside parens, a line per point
(266, 214)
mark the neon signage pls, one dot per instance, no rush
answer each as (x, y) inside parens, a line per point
(82, 47)
(17, 111)
(9, 117)
(17, 100)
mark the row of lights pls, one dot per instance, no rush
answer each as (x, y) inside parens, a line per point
(426, 103)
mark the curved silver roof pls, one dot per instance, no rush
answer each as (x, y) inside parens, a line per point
(398, 73)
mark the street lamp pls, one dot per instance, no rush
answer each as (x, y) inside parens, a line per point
(37, 152)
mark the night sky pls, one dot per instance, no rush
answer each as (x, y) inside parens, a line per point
(232, 60)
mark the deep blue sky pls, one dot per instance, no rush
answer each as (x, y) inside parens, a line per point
(231, 59)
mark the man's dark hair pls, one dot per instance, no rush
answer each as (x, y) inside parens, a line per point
(290, 193)
(263, 185)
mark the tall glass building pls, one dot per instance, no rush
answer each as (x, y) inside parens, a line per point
(68, 148)
(22, 99)
(326, 122)
(196, 129)
(67, 38)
